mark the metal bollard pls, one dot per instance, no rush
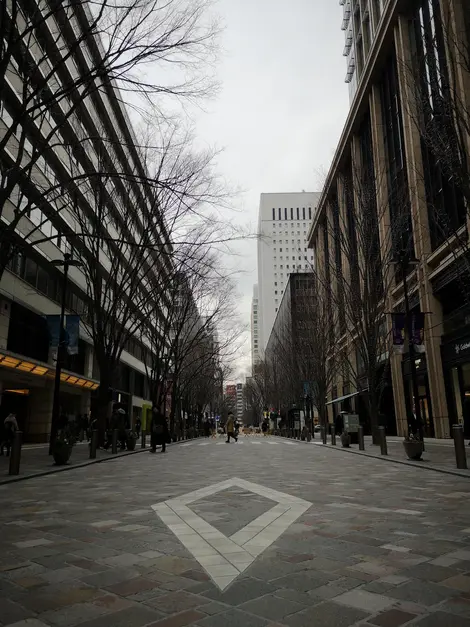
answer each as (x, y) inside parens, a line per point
(143, 439)
(93, 443)
(459, 445)
(360, 434)
(15, 454)
(114, 441)
(323, 433)
(333, 436)
(383, 441)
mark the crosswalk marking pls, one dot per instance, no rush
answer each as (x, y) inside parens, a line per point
(255, 442)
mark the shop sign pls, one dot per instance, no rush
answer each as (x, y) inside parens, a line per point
(461, 347)
(457, 350)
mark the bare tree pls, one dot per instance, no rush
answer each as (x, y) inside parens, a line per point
(60, 64)
(199, 333)
(363, 232)
(257, 391)
(316, 352)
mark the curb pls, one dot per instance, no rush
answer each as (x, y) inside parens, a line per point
(89, 462)
(386, 458)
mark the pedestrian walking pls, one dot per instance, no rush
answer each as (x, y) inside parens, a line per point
(264, 428)
(10, 427)
(339, 424)
(230, 428)
(158, 431)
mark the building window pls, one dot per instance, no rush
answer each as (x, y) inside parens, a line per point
(285, 213)
(279, 213)
(30, 272)
(310, 213)
(291, 213)
(303, 213)
(439, 143)
(274, 214)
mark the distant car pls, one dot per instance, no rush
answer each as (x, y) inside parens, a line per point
(317, 428)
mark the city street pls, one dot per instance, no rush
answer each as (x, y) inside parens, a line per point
(263, 532)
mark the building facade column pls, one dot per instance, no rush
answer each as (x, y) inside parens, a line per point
(385, 234)
(40, 414)
(421, 233)
(4, 323)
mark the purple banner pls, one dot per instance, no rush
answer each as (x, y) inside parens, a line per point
(417, 332)
(398, 332)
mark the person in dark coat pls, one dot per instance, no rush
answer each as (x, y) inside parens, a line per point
(158, 431)
(339, 424)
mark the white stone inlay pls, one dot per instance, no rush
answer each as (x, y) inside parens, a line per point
(225, 558)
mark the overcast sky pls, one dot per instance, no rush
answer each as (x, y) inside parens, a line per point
(281, 109)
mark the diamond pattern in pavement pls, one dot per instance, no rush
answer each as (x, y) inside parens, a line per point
(381, 544)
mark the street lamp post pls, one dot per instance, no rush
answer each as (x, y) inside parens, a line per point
(66, 262)
(405, 263)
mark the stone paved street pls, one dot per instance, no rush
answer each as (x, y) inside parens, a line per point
(35, 459)
(262, 533)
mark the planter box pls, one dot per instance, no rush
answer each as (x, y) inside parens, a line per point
(130, 443)
(61, 452)
(345, 440)
(413, 449)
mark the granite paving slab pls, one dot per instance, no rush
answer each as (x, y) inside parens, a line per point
(376, 544)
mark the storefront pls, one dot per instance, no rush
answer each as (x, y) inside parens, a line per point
(424, 397)
(456, 364)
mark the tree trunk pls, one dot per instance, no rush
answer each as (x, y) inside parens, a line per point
(374, 417)
(104, 409)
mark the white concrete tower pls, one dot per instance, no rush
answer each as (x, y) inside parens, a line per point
(283, 224)
(255, 346)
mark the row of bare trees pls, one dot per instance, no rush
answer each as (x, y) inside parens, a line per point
(138, 206)
(334, 331)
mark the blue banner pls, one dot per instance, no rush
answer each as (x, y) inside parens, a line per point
(53, 325)
(72, 330)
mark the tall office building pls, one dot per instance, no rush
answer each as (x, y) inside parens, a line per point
(254, 328)
(56, 197)
(360, 21)
(283, 224)
(240, 403)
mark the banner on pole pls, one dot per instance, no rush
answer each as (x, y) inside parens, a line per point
(72, 330)
(417, 332)
(398, 332)
(53, 326)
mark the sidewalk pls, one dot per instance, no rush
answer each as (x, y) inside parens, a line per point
(36, 461)
(438, 455)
